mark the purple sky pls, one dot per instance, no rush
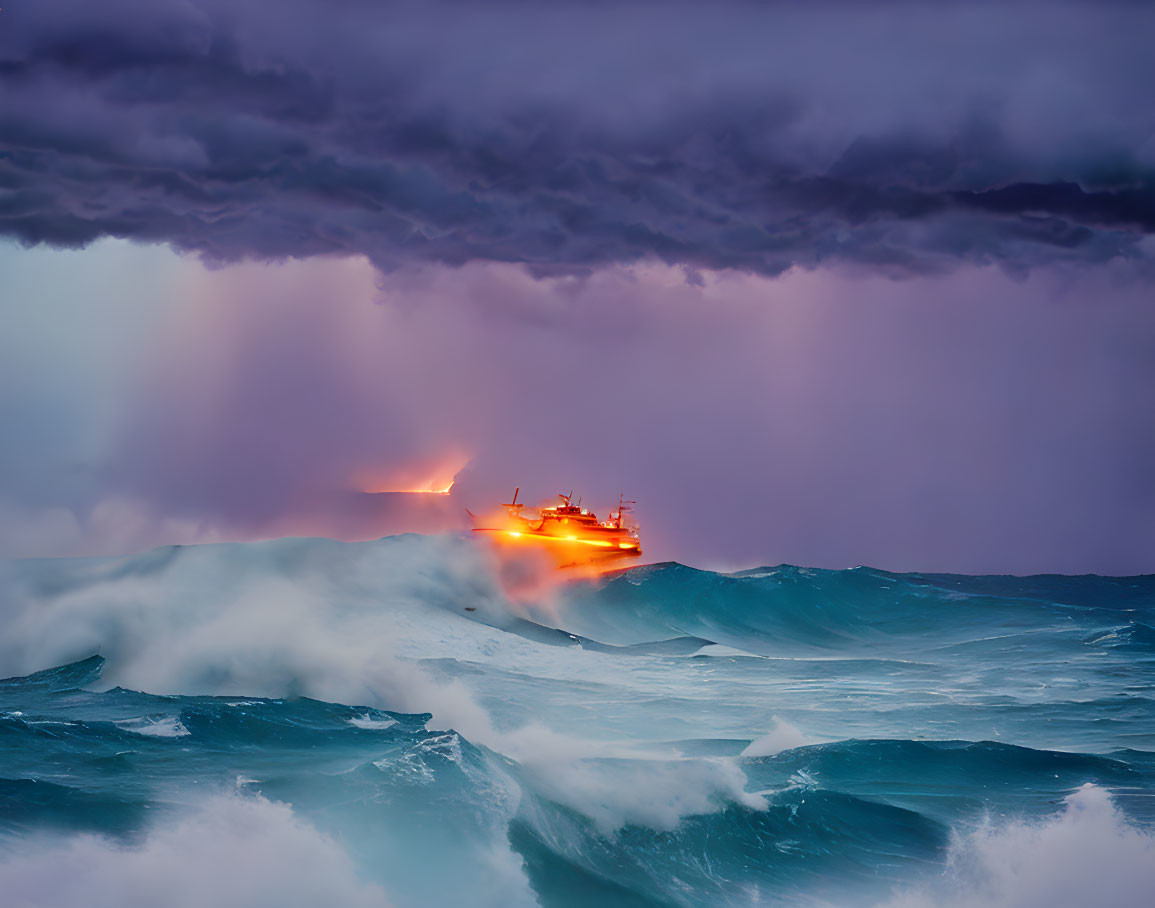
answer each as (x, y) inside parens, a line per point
(824, 284)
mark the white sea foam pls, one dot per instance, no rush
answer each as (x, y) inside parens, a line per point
(347, 624)
(234, 853)
(155, 726)
(615, 788)
(368, 723)
(721, 650)
(783, 736)
(1089, 854)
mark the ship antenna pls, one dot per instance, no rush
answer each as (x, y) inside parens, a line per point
(622, 506)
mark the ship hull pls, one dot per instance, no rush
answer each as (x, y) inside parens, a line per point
(566, 550)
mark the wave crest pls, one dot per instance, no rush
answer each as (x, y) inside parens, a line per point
(1089, 854)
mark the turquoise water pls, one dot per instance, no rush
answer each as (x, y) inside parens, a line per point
(306, 720)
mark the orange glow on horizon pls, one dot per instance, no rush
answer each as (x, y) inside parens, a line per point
(437, 478)
(444, 491)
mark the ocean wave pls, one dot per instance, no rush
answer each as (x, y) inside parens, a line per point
(789, 609)
(948, 780)
(832, 822)
(659, 736)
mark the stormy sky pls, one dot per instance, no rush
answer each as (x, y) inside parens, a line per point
(829, 283)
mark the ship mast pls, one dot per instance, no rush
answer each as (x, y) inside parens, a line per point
(513, 505)
(623, 505)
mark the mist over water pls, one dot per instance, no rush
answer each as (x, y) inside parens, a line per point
(384, 719)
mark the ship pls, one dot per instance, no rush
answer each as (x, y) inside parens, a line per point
(572, 533)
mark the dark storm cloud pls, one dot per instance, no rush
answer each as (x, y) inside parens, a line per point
(745, 136)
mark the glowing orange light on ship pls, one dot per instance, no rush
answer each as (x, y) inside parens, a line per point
(568, 535)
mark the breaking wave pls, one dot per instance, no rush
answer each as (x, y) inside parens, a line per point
(1088, 854)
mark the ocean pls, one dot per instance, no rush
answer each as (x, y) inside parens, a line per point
(310, 722)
